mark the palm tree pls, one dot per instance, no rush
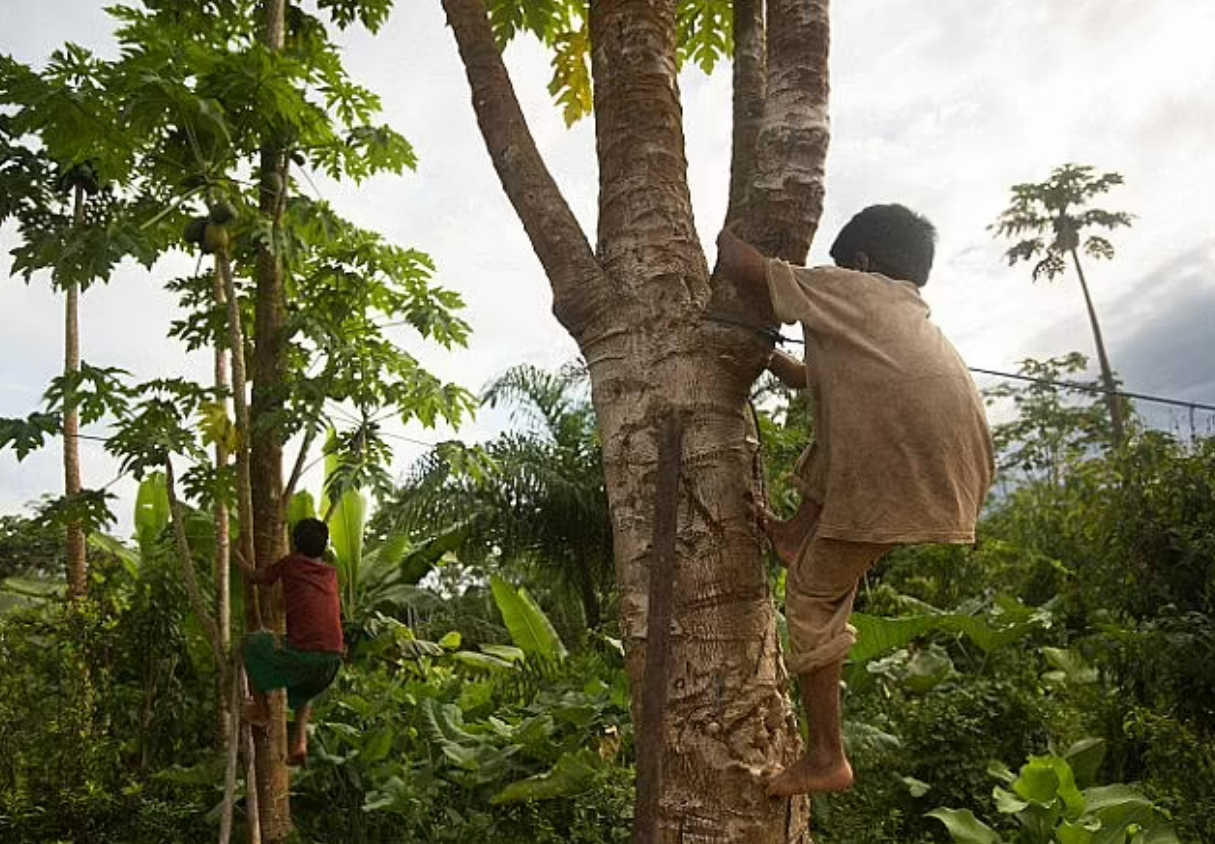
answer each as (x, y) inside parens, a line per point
(1054, 213)
(533, 496)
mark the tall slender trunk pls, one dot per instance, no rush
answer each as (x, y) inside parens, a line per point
(77, 559)
(266, 453)
(1112, 400)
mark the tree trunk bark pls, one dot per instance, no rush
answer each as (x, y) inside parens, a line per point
(637, 309)
(77, 558)
(266, 457)
(1112, 400)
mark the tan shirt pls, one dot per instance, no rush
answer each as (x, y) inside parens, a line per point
(902, 453)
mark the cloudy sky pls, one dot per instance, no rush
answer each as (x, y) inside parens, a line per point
(939, 105)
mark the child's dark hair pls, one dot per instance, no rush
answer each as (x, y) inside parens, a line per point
(898, 242)
(310, 537)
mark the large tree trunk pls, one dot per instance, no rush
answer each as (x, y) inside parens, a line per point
(637, 308)
(77, 559)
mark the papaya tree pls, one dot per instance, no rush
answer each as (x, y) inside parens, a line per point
(666, 339)
(1047, 222)
(59, 178)
(231, 103)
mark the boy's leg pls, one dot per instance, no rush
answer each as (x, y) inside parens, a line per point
(297, 751)
(824, 768)
(788, 536)
(818, 602)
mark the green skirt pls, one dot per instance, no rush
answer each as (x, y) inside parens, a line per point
(304, 674)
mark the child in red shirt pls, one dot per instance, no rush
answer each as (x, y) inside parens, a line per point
(308, 663)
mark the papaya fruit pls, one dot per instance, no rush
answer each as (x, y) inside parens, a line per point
(195, 230)
(215, 238)
(223, 213)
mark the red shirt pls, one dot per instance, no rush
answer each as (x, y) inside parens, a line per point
(310, 591)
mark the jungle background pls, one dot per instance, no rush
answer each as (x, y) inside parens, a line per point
(1052, 683)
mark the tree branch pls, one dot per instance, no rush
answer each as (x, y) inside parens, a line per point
(787, 193)
(750, 84)
(191, 575)
(558, 240)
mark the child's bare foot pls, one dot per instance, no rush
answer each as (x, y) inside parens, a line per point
(810, 776)
(254, 712)
(297, 757)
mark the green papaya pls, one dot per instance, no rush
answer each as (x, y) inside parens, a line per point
(223, 213)
(215, 238)
(195, 229)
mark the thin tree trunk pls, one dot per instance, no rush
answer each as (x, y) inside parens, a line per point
(1113, 401)
(227, 688)
(77, 559)
(266, 454)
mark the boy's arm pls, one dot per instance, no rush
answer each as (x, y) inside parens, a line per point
(253, 574)
(790, 370)
(742, 262)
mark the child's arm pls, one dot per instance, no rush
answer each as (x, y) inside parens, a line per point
(252, 573)
(742, 262)
(790, 370)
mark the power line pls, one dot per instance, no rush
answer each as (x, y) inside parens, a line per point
(1089, 388)
(777, 337)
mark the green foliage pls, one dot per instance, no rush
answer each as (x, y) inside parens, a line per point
(529, 627)
(1054, 212)
(420, 745)
(533, 500)
(704, 31)
(1048, 807)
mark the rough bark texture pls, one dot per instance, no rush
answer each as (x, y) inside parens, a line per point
(750, 85)
(640, 304)
(77, 559)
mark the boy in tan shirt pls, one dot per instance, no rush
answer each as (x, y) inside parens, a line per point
(902, 453)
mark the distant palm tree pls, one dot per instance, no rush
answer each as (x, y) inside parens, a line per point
(1054, 214)
(532, 496)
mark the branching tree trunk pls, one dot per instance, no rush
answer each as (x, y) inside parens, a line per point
(640, 308)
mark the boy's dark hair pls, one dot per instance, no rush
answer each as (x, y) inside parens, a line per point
(310, 537)
(898, 242)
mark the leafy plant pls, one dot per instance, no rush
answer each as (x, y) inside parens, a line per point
(1049, 807)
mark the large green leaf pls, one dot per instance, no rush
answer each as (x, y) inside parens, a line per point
(529, 627)
(20, 592)
(877, 636)
(964, 827)
(572, 774)
(151, 512)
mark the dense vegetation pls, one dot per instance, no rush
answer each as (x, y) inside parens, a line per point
(1074, 640)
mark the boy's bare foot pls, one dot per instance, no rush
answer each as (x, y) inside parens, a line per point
(786, 537)
(255, 713)
(809, 776)
(297, 757)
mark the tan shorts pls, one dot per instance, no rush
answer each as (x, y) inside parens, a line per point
(818, 600)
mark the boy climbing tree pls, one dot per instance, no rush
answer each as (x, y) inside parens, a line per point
(309, 662)
(902, 453)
